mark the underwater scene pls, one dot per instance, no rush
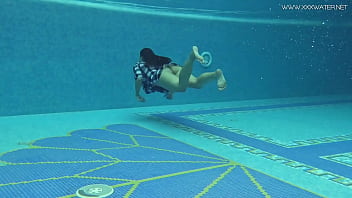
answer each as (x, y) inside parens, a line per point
(123, 98)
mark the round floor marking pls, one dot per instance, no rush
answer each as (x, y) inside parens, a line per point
(95, 190)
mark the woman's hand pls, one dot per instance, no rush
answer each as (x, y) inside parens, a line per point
(140, 98)
(169, 96)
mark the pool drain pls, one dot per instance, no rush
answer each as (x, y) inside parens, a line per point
(95, 190)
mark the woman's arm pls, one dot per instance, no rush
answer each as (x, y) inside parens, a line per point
(138, 81)
(138, 85)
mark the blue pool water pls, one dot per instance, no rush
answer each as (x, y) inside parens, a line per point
(282, 127)
(60, 56)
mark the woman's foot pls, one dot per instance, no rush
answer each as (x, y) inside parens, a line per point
(196, 54)
(221, 79)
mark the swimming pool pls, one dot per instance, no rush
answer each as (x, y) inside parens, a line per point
(281, 129)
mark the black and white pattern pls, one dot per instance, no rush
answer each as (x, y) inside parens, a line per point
(149, 75)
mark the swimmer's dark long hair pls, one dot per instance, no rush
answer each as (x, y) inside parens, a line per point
(152, 59)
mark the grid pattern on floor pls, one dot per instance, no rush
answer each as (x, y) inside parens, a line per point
(136, 162)
(328, 157)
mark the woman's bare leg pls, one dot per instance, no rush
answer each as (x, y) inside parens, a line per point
(186, 70)
(200, 81)
(179, 83)
(204, 78)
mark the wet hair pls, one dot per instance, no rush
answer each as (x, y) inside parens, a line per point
(152, 59)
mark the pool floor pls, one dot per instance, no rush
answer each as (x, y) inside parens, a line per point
(288, 147)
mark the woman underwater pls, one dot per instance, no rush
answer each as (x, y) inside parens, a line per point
(157, 74)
